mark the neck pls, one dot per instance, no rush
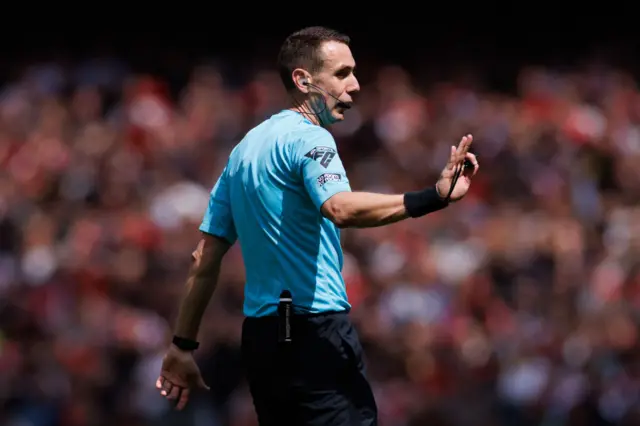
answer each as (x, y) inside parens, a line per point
(305, 109)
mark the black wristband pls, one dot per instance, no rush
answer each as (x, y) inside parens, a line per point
(420, 203)
(185, 344)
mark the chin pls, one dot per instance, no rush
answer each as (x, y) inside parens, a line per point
(338, 116)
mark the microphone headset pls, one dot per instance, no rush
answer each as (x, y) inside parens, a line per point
(341, 104)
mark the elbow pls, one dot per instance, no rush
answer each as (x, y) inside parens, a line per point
(342, 222)
(211, 249)
(336, 210)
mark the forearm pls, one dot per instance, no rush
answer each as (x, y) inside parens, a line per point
(201, 283)
(200, 288)
(368, 210)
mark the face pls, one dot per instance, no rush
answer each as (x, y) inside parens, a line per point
(338, 79)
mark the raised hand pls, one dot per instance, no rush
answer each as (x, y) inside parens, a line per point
(456, 161)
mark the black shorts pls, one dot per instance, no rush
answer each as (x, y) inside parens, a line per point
(317, 379)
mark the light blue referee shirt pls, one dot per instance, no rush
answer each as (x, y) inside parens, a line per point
(269, 197)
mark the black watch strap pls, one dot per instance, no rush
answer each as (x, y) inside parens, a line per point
(185, 344)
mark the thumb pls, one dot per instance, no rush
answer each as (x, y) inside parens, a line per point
(202, 384)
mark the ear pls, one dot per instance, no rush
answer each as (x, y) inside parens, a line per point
(300, 79)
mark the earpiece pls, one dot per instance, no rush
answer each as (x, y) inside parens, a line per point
(304, 81)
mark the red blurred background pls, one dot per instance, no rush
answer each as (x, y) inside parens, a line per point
(519, 306)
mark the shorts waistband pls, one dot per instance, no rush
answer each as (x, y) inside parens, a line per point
(304, 315)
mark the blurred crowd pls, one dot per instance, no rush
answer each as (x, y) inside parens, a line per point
(517, 306)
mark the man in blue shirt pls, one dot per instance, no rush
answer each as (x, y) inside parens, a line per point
(269, 196)
(284, 194)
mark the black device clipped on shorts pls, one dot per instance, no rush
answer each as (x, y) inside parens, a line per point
(284, 314)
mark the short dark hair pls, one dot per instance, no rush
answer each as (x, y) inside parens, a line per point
(301, 50)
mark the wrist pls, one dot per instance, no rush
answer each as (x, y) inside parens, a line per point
(184, 344)
(442, 197)
(420, 203)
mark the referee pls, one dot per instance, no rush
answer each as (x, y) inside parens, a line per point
(284, 194)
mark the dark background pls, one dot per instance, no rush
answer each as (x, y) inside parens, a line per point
(480, 39)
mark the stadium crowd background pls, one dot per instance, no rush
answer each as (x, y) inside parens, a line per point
(519, 306)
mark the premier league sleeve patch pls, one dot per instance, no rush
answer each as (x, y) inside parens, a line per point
(328, 177)
(323, 154)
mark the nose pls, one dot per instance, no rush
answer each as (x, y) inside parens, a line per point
(354, 85)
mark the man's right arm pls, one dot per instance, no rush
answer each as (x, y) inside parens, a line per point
(179, 373)
(219, 234)
(201, 283)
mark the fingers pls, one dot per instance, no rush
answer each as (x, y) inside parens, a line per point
(463, 148)
(464, 145)
(458, 155)
(164, 385)
(472, 157)
(184, 398)
(174, 393)
(452, 158)
(178, 393)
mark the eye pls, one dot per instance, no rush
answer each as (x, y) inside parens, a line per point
(344, 72)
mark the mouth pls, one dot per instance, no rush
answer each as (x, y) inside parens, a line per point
(344, 105)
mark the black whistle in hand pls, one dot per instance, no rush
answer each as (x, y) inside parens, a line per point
(468, 164)
(284, 314)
